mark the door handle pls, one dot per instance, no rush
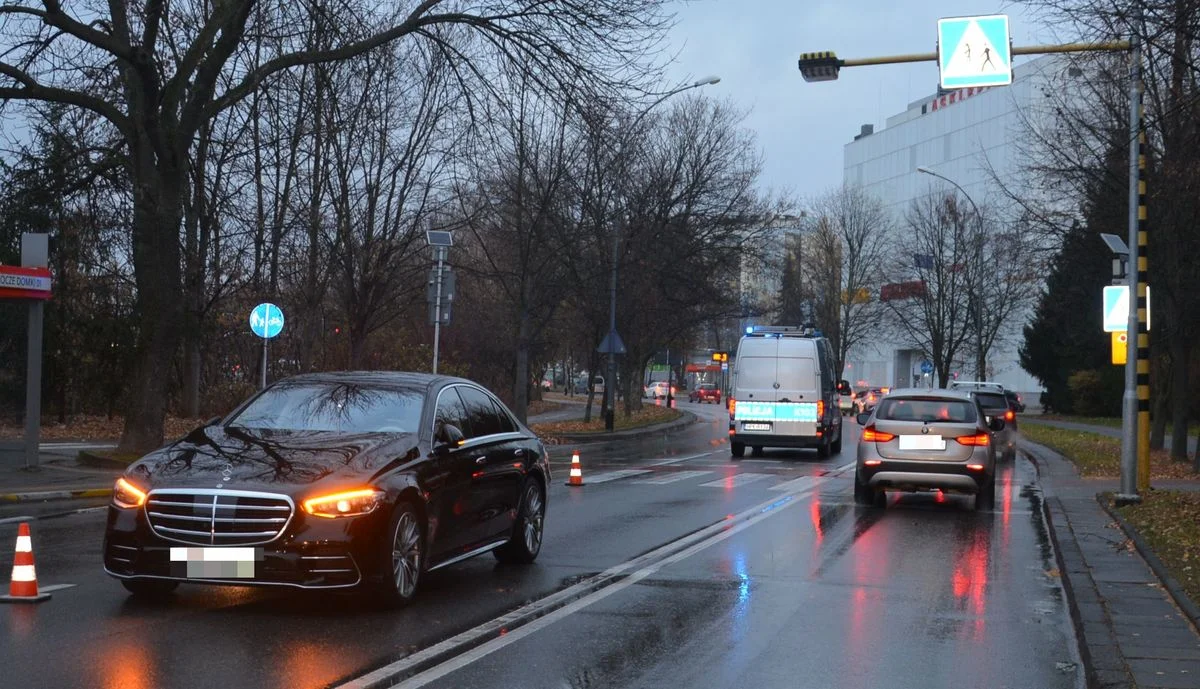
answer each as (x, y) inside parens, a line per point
(481, 460)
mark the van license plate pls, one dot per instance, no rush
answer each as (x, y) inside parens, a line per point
(756, 427)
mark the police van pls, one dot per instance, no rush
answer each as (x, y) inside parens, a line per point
(785, 392)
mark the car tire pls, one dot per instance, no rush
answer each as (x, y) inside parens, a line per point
(823, 449)
(150, 588)
(836, 448)
(402, 552)
(985, 499)
(526, 540)
(737, 450)
(863, 494)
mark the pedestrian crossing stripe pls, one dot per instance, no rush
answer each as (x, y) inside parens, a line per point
(974, 51)
(736, 480)
(614, 475)
(673, 477)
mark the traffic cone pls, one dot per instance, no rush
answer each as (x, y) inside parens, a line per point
(24, 588)
(576, 477)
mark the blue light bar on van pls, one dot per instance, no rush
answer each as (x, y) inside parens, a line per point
(775, 411)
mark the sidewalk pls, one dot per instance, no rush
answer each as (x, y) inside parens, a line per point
(1099, 430)
(1130, 629)
(59, 475)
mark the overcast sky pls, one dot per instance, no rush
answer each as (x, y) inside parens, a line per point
(753, 45)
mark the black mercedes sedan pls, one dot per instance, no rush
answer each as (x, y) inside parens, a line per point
(333, 480)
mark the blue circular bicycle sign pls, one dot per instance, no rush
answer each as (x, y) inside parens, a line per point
(926, 365)
(266, 320)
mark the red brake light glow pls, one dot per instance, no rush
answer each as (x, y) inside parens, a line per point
(975, 467)
(870, 435)
(977, 440)
(872, 462)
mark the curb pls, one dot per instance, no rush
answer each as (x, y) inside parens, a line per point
(687, 419)
(1182, 601)
(1048, 510)
(56, 495)
(93, 459)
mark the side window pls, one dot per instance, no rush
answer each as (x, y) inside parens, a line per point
(451, 410)
(506, 422)
(481, 412)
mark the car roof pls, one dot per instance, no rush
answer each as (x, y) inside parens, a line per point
(940, 393)
(386, 379)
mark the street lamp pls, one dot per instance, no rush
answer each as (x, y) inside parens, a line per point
(612, 344)
(980, 370)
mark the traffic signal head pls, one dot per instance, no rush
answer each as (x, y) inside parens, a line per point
(819, 66)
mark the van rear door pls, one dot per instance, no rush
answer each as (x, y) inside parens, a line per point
(757, 367)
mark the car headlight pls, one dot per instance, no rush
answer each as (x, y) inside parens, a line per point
(345, 504)
(127, 495)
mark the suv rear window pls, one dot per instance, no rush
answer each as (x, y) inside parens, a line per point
(992, 400)
(925, 409)
(708, 386)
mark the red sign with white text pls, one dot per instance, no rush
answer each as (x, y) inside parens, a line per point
(17, 282)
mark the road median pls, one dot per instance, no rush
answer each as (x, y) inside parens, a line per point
(649, 420)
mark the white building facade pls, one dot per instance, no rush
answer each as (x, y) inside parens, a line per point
(973, 137)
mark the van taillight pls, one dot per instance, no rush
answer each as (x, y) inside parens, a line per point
(732, 405)
(820, 409)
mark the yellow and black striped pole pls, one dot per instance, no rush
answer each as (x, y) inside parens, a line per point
(1135, 402)
(1143, 306)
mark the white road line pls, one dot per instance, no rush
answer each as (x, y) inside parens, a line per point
(54, 587)
(614, 475)
(15, 520)
(793, 485)
(763, 461)
(672, 478)
(737, 480)
(699, 540)
(848, 465)
(665, 462)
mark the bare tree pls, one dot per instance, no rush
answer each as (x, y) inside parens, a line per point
(928, 297)
(157, 72)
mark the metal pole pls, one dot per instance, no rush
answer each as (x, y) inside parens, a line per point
(263, 380)
(1129, 401)
(437, 306)
(33, 385)
(1143, 296)
(610, 381)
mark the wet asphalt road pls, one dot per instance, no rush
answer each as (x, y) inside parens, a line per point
(792, 586)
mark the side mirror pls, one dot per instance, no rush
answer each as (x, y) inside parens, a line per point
(446, 437)
(996, 423)
(863, 418)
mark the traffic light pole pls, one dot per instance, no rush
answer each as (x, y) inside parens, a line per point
(1135, 435)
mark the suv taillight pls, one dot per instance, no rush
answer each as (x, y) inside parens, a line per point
(870, 435)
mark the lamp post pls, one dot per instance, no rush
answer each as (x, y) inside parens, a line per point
(612, 344)
(974, 307)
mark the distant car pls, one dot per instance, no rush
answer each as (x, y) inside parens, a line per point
(547, 384)
(866, 399)
(923, 439)
(1015, 401)
(966, 385)
(706, 392)
(331, 481)
(658, 390)
(995, 404)
(845, 404)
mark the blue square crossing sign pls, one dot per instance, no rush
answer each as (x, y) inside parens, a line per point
(974, 51)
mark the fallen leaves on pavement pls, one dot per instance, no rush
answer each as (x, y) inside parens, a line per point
(1099, 456)
(1169, 520)
(647, 416)
(97, 428)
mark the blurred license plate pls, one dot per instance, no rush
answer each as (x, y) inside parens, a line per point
(215, 563)
(922, 442)
(756, 426)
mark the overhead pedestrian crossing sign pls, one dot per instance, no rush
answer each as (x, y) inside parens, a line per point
(974, 51)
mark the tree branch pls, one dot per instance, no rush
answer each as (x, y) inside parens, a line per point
(32, 90)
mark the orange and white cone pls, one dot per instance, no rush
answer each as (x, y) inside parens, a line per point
(576, 477)
(24, 587)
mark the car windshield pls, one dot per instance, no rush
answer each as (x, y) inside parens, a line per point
(926, 409)
(708, 387)
(333, 407)
(992, 400)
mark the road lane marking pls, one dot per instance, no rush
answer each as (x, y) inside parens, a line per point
(847, 465)
(614, 475)
(504, 630)
(54, 587)
(794, 484)
(736, 480)
(672, 478)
